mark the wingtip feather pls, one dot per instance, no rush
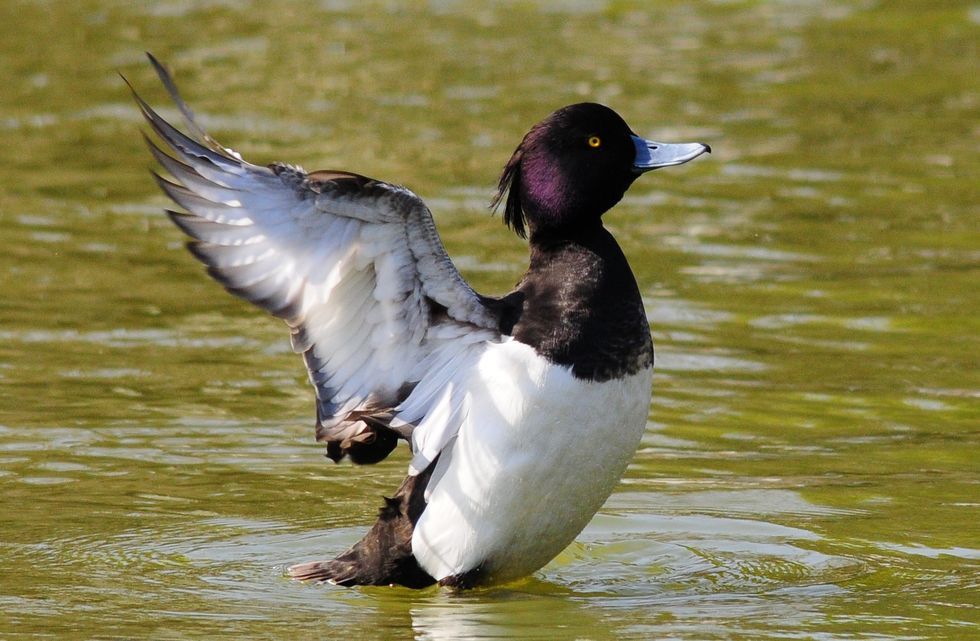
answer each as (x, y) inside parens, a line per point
(199, 144)
(168, 83)
(188, 114)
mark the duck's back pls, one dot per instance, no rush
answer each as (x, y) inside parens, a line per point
(548, 420)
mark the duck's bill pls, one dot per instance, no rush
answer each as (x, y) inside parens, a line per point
(653, 155)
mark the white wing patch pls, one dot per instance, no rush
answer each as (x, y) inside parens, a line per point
(440, 402)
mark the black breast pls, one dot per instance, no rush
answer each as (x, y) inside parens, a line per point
(579, 305)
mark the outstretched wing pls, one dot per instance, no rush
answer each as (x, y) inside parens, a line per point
(354, 266)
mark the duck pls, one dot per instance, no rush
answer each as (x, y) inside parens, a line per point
(521, 411)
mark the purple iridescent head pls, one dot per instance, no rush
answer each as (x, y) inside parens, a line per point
(576, 164)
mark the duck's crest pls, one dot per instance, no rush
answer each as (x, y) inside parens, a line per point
(510, 183)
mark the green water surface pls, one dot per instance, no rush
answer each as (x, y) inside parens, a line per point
(811, 468)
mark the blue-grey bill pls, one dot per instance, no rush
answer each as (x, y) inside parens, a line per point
(653, 155)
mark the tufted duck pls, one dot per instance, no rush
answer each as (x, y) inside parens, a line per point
(521, 412)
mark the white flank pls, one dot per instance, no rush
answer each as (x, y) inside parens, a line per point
(534, 454)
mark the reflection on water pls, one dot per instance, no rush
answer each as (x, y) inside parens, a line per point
(809, 470)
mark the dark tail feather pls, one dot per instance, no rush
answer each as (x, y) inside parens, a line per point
(384, 555)
(336, 572)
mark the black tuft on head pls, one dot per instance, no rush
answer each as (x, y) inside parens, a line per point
(510, 184)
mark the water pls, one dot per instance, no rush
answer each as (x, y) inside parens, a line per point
(810, 469)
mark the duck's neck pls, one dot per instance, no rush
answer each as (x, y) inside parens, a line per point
(580, 305)
(584, 233)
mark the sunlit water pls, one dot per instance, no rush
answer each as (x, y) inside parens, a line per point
(811, 465)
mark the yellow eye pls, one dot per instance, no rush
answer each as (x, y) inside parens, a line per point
(594, 141)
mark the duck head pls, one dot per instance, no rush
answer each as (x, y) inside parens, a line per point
(574, 165)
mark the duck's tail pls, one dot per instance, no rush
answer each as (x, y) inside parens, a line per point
(337, 572)
(384, 556)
